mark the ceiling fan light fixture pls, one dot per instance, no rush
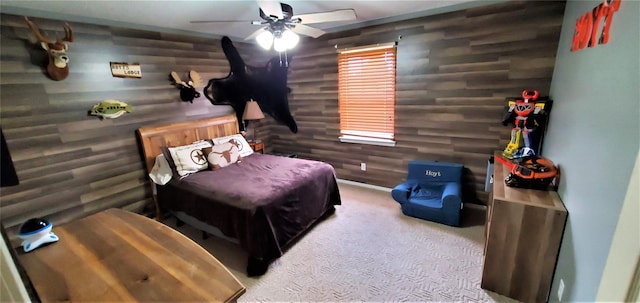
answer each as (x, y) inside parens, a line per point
(279, 44)
(290, 39)
(285, 40)
(265, 39)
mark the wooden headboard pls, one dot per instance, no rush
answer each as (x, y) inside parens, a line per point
(153, 138)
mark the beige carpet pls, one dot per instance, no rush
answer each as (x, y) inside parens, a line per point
(368, 251)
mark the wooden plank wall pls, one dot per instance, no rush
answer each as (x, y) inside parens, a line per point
(71, 164)
(454, 72)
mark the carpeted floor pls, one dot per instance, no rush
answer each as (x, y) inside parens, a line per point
(368, 251)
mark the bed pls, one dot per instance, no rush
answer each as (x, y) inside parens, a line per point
(264, 202)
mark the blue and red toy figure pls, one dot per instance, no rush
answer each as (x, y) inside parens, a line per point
(529, 117)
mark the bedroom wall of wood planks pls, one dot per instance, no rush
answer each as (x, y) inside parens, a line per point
(454, 72)
(71, 164)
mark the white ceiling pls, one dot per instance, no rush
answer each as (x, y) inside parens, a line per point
(174, 16)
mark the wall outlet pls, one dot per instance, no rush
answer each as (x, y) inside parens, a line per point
(363, 166)
(560, 289)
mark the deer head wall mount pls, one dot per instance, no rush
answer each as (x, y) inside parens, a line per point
(57, 67)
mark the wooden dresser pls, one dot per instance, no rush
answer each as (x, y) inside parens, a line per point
(523, 233)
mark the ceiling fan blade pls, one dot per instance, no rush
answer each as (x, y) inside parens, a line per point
(308, 30)
(254, 34)
(219, 21)
(339, 15)
(271, 8)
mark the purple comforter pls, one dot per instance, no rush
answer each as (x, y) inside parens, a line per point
(264, 201)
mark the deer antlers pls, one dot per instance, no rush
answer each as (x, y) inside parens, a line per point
(57, 68)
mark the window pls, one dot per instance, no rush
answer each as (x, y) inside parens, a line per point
(366, 94)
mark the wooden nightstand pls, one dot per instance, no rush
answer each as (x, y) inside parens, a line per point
(257, 146)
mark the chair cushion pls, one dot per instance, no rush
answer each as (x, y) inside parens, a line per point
(426, 192)
(421, 204)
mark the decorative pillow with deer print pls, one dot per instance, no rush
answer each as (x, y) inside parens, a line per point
(222, 155)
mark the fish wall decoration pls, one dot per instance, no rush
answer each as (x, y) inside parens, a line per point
(110, 109)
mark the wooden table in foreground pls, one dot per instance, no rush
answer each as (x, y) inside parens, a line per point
(117, 255)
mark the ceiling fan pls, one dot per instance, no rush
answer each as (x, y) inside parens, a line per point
(280, 25)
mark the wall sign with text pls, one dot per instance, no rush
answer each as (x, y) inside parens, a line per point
(125, 70)
(587, 26)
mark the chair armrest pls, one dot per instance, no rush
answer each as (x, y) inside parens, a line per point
(401, 192)
(451, 196)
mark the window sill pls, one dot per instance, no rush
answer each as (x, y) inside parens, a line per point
(364, 140)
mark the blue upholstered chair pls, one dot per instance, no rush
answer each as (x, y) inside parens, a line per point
(431, 192)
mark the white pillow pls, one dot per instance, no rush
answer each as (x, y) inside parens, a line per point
(222, 155)
(189, 159)
(240, 141)
(161, 172)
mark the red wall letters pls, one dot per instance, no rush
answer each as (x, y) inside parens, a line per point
(587, 25)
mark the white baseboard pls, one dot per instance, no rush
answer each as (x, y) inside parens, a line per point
(376, 187)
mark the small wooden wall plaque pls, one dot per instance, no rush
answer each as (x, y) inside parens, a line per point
(125, 70)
